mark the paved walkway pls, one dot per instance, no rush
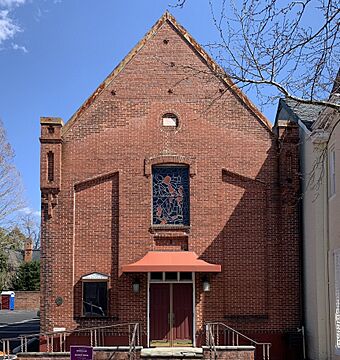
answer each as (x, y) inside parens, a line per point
(10, 317)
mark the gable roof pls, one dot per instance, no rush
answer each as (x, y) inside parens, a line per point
(95, 276)
(16, 257)
(306, 113)
(168, 18)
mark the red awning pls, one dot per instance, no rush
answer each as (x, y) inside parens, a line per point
(156, 261)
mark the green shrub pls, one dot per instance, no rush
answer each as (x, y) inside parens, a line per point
(27, 277)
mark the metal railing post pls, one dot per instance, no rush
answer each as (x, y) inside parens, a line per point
(96, 335)
(232, 337)
(8, 349)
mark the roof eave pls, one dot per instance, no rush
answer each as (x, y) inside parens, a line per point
(212, 65)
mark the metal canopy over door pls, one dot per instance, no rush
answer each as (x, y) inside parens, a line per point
(171, 314)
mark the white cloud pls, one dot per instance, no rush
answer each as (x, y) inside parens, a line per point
(29, 211)
(7, 26)
(11, 3)
(19, 47)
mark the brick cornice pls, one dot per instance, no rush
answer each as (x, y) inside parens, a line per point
(50, 141)
(79, 185)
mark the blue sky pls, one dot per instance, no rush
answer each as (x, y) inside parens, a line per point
(54, 53)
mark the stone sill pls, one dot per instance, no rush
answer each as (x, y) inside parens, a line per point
(172, 352)
(166, 230)
(96, 318)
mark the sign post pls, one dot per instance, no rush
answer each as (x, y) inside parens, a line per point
(81, 352)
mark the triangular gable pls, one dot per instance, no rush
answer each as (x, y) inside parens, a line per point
(95, 276)
(167, 17)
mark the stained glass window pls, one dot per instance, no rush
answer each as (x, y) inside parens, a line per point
(170, 185)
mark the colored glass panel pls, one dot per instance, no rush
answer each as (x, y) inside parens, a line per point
(170, 195)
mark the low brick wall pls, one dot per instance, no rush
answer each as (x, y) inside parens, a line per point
(27, 300)
(124, 355)
(231, 354)
(97, 355)
(43, 356)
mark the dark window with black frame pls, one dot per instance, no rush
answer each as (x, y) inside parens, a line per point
(95, 298)
(170, 190)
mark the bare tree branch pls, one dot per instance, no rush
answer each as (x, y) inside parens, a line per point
(277, 45)
(10, 183)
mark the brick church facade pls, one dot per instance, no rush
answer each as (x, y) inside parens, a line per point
(168, 189)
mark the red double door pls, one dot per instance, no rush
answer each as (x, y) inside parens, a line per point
(171, 314)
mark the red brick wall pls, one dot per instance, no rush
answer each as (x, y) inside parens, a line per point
(27, 300)
(232, 355)
(238, 218)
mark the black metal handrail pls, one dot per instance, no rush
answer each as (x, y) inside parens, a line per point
(96, 338)
(231, 337)
(134, 341)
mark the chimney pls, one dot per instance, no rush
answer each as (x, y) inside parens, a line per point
(28, 251)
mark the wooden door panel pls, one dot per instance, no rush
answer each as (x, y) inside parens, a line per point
(159, 312)
(183, 314)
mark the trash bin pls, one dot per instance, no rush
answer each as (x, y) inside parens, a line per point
(7, 300)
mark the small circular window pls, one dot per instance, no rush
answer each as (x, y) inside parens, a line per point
(170, 121)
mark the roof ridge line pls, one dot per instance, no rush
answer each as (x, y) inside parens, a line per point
(211, 63)
(159, 23)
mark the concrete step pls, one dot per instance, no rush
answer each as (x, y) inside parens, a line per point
(172, 352)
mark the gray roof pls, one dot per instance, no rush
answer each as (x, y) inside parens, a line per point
(36, 255)
(16, 257)
(307, 113)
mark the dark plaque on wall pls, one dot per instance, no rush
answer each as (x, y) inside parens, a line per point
(59, 300)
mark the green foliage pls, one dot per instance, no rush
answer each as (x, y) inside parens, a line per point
(11, 241)
(28, 277)
(3, 262)
(3, 270)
